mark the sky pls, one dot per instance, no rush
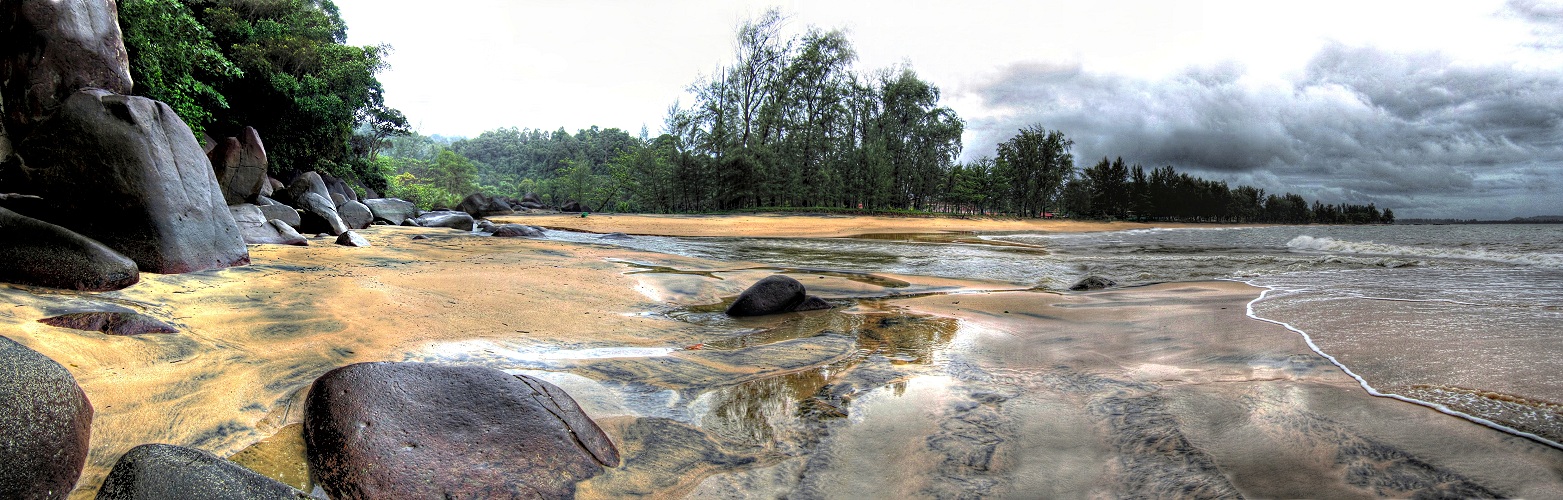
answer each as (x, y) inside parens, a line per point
(1434, 108)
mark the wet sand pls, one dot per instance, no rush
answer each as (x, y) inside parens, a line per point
(915, 387)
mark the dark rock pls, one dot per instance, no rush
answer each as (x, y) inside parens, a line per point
(161, 471)
(258, 229)
(240, 166)
(51, 49)
(1093, 283)
(356, 215)
(338, 199)
(338, 186)
(480, 205)
(319, 216)
(45, 421)
(813, 303)
(24, 204)
(517, 230)
(284, 213)
(616, 236)
(276, 185)
(419, 237)
(127, 172)
(392, 210)
(486, 226)
(449, 218)
(110, 322)
(532, 198)
(772, 295)
(416, 430)
(43, 254)
(307, 182)
(573, 206)
(411, 223)
(532, 205)
(352, 239)
(265, 201)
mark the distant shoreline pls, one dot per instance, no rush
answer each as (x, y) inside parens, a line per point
(820, 226)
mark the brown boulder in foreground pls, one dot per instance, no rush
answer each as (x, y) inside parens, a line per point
(417, 430)
(45, 423)
(128, 173)
(43, 254)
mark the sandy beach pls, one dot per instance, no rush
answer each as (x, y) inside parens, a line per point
(912, 387)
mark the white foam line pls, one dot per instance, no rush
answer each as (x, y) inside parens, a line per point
(1438, 407)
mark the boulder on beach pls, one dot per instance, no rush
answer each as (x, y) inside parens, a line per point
(110, 323)
(45, 421)
(338, 186)
(517, 230)
(486, 225)
(43, 254)
(284, 213)
(160, 471)
(354, 214)
(417, 430)
(307, 182)
(1092, 283)
(258, 229)
(532, 198)
(531, 205)
(240, 166)
(446, 218)
(318, 215)
(391, 210)
(481, 205)
(573, 206)
(772, 295)
(52, 49)
(812, 303)
(352, 239)
(128, 173)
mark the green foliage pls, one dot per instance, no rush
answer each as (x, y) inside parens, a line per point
(174, 59)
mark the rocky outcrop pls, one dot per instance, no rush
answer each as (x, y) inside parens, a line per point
(45, 421)
(42, 254)
(318, 215)
(50, 49)
(517, 230)
(352, 239)
(447, 218)
(479, 205)
(354, 214)
(532, 198)
(1092, 283)
(128, 173)
(240, 166)
(416, 430)
(110, 323)
(162, 471)
(258, 229)
(338, 187)
(391, 210)
(772, 295)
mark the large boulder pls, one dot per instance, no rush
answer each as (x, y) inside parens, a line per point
(319, 216)
(258, 229)
(531, 198)
(160, 471)
(127, 172)
(45, 423)
(110, 323)
(517, 230)
(772, 295)
(416, 430)
(352, 239)
(50, 49)
(813, 303)
(356, 215)
(43, 254)
(391, 210)
(446, 218)
(481, 205)
(573, 206)
(288, 215)
(338, 186)
(307, 182)
(240, 166)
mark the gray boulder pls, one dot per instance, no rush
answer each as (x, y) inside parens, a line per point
(480, 205)
(240, 166)
(319, 215)
(391, 210)
(258, 229)
(447, 218)
(307, 182)
(162, 471)
(50, 50)
(45, 421)
(517, 230)
(43, 254)
(356, 215)
(352, 239)
(772, 295)
(127, 172)
(284, 213)
(1093, 283)
(338, 186)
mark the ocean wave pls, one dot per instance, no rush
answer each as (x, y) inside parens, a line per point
(1307, 243)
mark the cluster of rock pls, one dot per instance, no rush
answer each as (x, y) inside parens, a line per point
(480, 205)
(775, 294)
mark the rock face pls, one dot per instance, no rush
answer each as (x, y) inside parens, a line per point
(338, 187)
(45, 421)
(480, 205)
(110, 322)
(127, 172)
(391, 210)
(319, 216)
(517, 230)
(448, 218)
(1093, 283)
(354, 214)
(258, 229)
(772, 295)
(50, 49)
(43, 254)
(159, 471)
(415, 430)
(240, 166)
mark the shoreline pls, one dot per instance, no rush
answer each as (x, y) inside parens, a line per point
(818, 226)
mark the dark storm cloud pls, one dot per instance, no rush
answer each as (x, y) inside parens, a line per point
(1359, 125)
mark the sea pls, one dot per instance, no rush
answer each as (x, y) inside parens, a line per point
(1464, 319)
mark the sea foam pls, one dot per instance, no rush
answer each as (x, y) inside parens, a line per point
(1307, 243)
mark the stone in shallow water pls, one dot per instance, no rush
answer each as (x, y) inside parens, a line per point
(112, 323)
(517, 230)
(772, 295)
(158, 471)
(45, 423)
(1093, 283)
(417, 430)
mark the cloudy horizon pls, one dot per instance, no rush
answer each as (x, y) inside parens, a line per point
(1434, 110)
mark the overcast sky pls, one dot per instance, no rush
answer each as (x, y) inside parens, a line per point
(1436, 109)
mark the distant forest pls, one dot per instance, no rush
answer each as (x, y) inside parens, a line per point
(787, 124)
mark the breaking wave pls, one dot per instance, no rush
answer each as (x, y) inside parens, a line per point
(1307, 243)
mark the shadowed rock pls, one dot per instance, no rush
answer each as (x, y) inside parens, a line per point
(517, 230)
(354, 214)
(110, 322)
(45, 421)
(391, 210)
(258, 229)
(338, 186)
(481, 205)
(772, 295)
(1093, 283)
(573, 206)
(240, 166)
(615, 236)
(812, 303)
(307, 182)
(416, 430)
(160, 471)
(43, 254)
(284, 213)
(50, 49)
(447, 218)
(318, 215)
(352, 239)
